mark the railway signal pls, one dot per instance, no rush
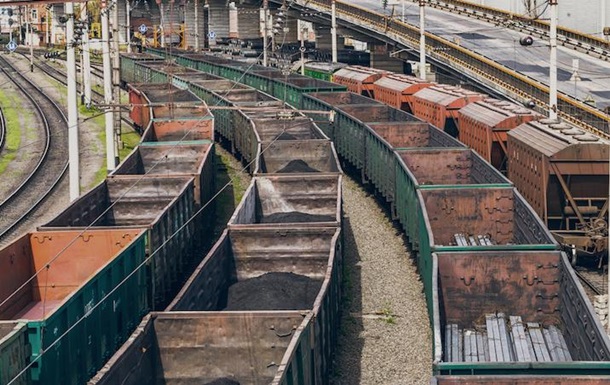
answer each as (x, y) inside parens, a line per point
(11, 46)
(51, 55)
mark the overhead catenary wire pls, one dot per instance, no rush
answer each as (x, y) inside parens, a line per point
(142, 264)
(48, 264)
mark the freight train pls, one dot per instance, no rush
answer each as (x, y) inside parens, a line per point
(560, 169)
(127, 246)
(494, 276)
(272, 281)
(492, 272)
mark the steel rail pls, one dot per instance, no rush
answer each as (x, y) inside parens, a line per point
(61, 78)
(588, 282)
(3, 129)
(39, 173)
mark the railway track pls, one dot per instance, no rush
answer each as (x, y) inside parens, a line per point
(2, 130)
(594, 280)
(60, 76)
(53, 163)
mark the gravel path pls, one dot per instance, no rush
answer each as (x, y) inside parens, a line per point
(385, 333)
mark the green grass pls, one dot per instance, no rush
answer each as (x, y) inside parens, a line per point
(13, 130)
(239, 184)
(229, 198)
(387, 314)
(130, 140)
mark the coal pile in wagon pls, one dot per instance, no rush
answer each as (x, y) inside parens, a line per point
(297, 165)
(296, 217)
(223, 381)
(273, 291)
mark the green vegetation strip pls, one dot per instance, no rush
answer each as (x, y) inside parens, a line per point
(13, 129)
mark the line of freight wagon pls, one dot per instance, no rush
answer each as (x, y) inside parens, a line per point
(561, 170)
(481, 249)
(73, 291)
(68, 320)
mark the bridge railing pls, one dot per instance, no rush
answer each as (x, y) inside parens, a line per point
(503, 15)
(493, 74)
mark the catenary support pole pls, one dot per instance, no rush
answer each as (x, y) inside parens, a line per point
(302, 50)
(422, 40)
(30, 37)
(48, 21)
(553, 61)
(265, 32)
(109, 115)
(86, 64)
(128, 25)
(116, 80)
(72, 104)
(333, 29)
(197, 25)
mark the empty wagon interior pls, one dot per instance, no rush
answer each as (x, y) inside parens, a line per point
(299, 128)
(187, 111)
(165, 159)
(247, 95)
(413, 134)
(260, 269)
(166, 93)
(170, 68)
(337, 98)
(450, 167)
(29, 254)
(123, 201)
(199, 127)
(290, 200)
(377, 113)
(481, 216)
(200, 348)
(201, 77)
(219, 85)
(514, 307)
(305, 82)
(306, 156)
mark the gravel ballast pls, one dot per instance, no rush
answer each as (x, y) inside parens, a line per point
(385, 334)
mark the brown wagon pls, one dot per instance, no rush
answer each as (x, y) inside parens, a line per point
(397, 90)
(484, 125)
(440, 105)
(358, 79)
(563, 172)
